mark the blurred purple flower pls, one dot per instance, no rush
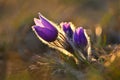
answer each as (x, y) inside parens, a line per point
(79, 37)
(67, 29)
(45, 29)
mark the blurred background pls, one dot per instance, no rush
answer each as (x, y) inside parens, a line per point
(18, 43)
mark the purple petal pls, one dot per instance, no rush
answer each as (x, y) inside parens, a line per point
(46, 22)
(38, 22)
(79, 37)
(75, 38)
(67, 29)
(46, 34)
(66, 26)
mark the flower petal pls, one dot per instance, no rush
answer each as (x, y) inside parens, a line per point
(38, 22)
(46, 22)
(44, 33)
(79, 37)
(67, 29)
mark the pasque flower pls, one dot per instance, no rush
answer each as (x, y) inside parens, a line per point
(45, 29)
(67, 29)
(79, 37)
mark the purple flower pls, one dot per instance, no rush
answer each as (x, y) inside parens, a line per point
(45, 29)
(67, 29)
(79, 37)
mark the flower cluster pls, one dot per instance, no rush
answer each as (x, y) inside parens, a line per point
(63, 37)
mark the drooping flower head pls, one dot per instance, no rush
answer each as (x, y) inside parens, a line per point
(79, 37)
(67, 29)
(45, 29)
